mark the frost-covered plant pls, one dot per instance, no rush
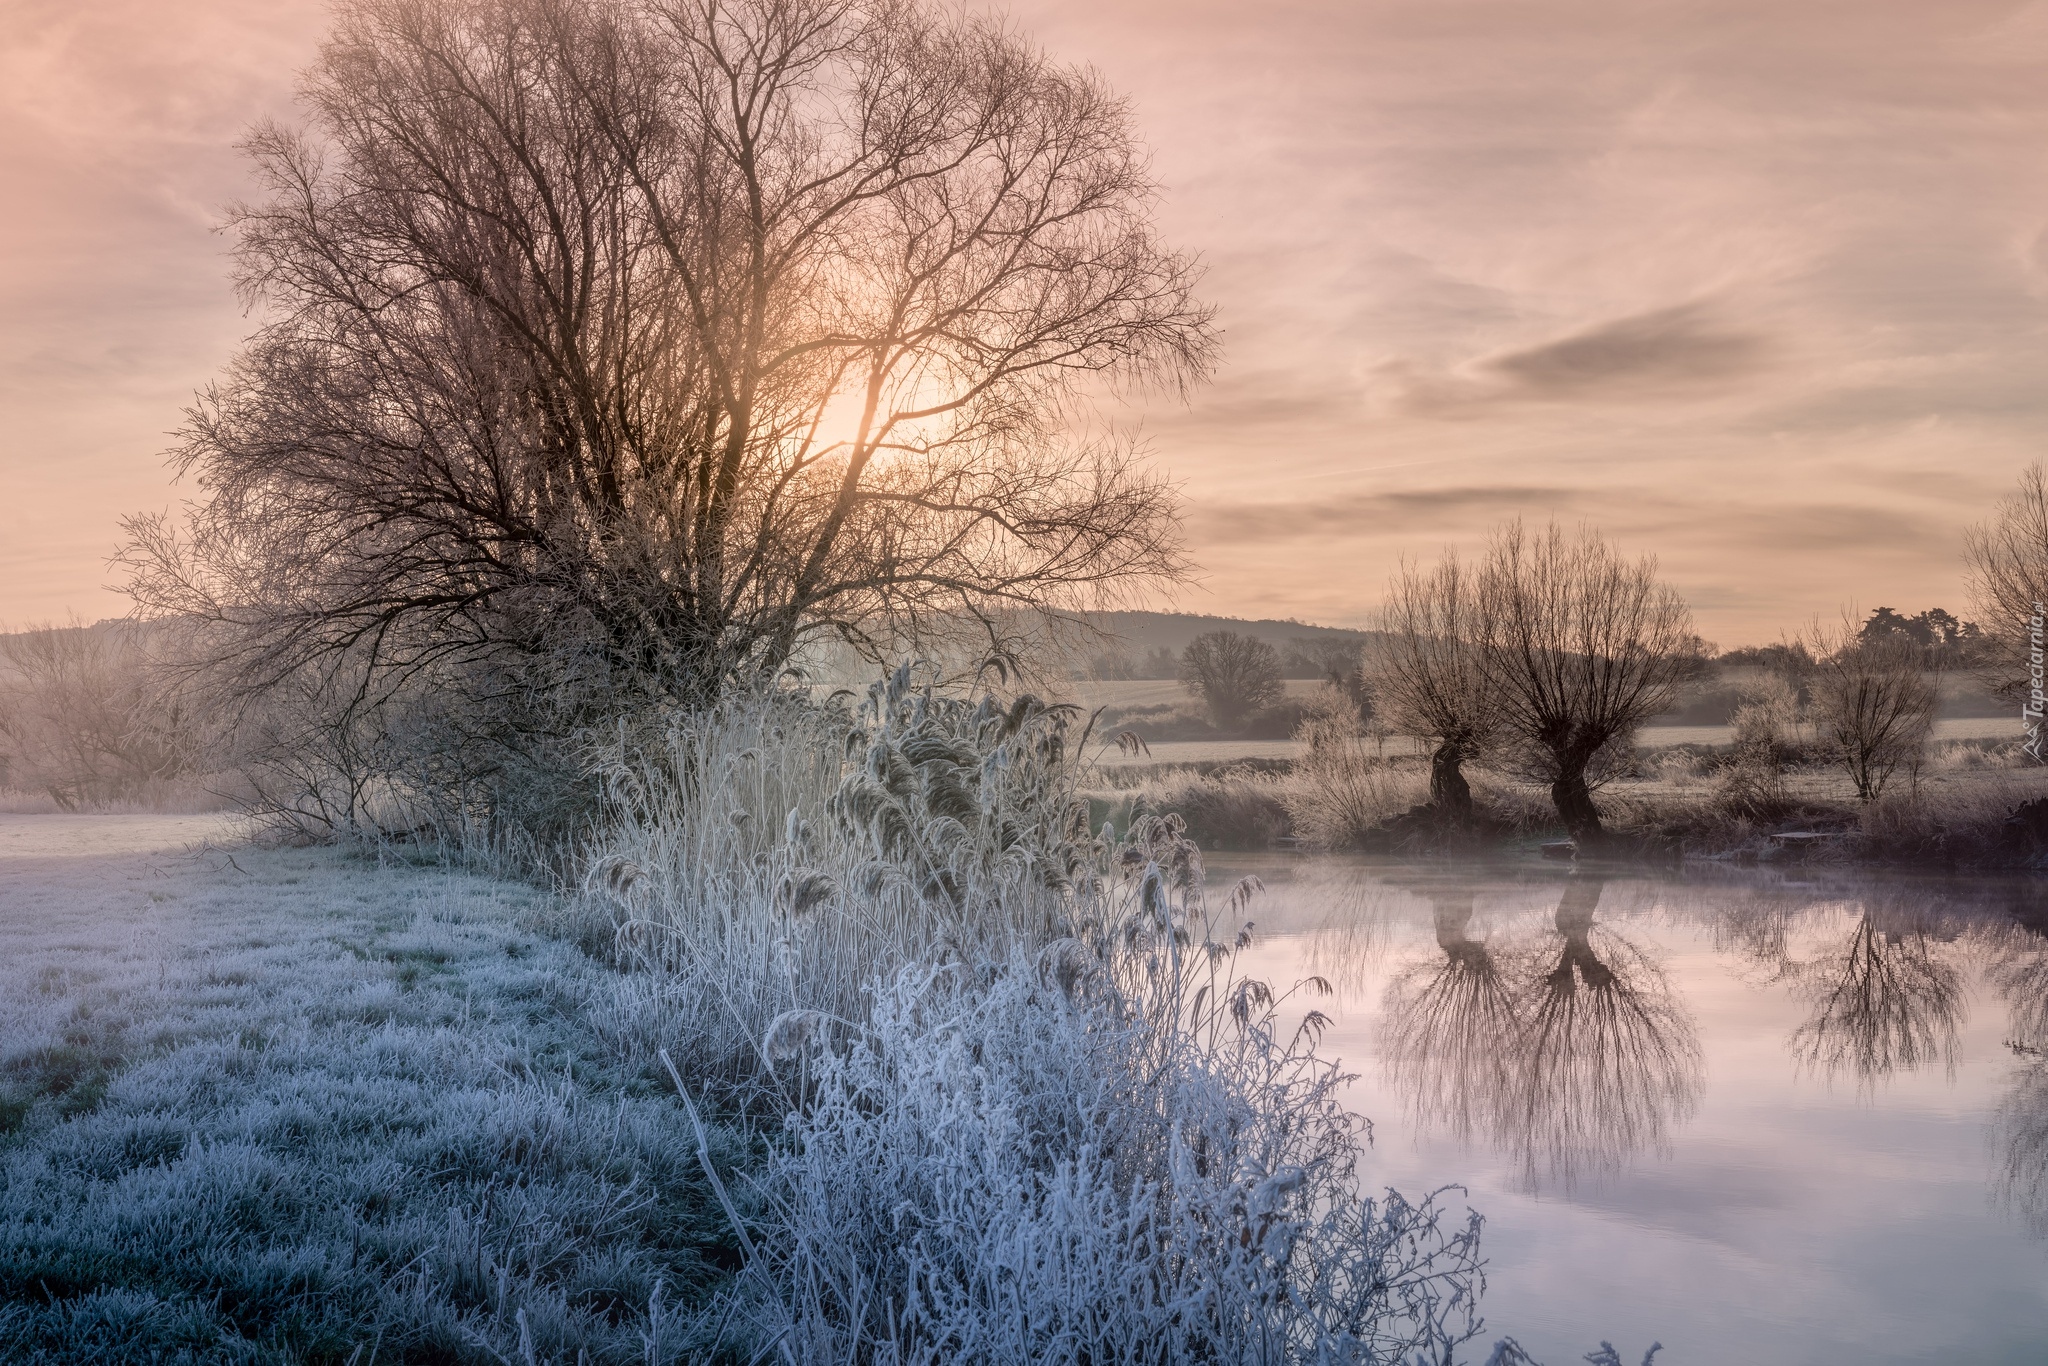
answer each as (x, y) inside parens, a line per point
(955, 801)
(773, 853)
(1114, 1148)
(1753, 784)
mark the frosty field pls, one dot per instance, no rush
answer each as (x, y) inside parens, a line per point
(287, 1104)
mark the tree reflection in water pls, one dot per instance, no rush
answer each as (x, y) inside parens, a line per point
(2019, 971)
(1441, 1037)
(1569, 1057)
(2020, 1181)
(1885, 999)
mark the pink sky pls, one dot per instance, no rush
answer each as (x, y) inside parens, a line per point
(1760, 287)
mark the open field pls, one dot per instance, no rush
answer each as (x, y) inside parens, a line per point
(288, 1105)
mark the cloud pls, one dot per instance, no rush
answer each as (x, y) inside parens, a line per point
(1638, 518)
(1364, 514)
(1656, 352)
(1660, 356)
(1844, 529)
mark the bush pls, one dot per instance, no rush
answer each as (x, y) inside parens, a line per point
(1340, 803)
(1029, 1112)
(769, 854)
(1236, 807)
(1111, 1150)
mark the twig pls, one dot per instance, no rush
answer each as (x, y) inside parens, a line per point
(704, 1155)
(781, 1342)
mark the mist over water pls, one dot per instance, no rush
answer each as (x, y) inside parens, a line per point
(1763, 1119)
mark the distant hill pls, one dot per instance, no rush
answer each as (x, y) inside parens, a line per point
(1143, 631)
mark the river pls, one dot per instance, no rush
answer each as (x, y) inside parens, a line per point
(1761, 1118)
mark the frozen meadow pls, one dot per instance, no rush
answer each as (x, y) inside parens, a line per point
(288, 1104)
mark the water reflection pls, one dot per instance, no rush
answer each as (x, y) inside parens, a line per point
(1884, 998)
(1447, 1019)
(1567, 1050)
(1563, 1043)
(2018, 971)
(2019, 1180)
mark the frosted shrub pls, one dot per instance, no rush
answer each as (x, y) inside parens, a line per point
(1109, 1150)
(1753, 784)
(1341, 789)
(1031, 1113)
(773, 854)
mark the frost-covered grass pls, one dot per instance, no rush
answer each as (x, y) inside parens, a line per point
(288, 1105)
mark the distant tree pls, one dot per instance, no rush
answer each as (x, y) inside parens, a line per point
(1701, 656)
(1112, 664)
(1935, 631)
(1874, 697)
(1336, 661)
(2008, 560)
(1159, 663)
(1790, 659)
(1428, 673)
(82, 720)
(1885, 622)
(1234, 675)
(1949, 634)
(1583, 647)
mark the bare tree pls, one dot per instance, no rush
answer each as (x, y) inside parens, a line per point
(1874, 698)
(648, 342)
(1428, 673)
(1159, 662)
(1583, 647)
(2008, 560)
(1234, 675)
(80, 720)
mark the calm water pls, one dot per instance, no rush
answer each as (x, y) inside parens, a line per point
(1765, 1120)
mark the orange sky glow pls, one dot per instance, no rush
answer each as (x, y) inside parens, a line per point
(1760, 288)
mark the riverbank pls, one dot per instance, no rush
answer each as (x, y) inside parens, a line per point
(1974, 803)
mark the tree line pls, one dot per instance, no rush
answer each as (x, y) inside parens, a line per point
(1545, 656)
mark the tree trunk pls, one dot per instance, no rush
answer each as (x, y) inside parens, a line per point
(1453, 918)
(1448, 790)
(1574, 920)
(1574, 801)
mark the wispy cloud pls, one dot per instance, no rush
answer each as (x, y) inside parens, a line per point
(1359, 515)
(1663, 351)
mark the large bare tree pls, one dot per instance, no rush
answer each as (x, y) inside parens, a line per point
(1583, 647)
(1427, 670)
(660, 338)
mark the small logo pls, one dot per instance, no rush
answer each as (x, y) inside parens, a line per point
(2037, 695)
